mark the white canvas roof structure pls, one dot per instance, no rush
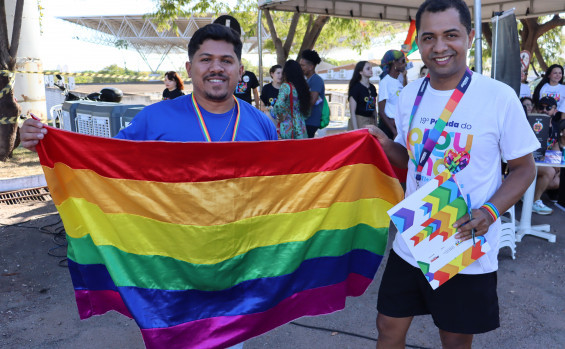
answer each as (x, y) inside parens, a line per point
(142, 34)
(404, 10)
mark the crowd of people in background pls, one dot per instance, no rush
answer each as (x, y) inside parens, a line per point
(294, 97)
(548, 99)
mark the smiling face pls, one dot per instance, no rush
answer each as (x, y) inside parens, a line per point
(214, 70)
(443, 42)
(555, 76)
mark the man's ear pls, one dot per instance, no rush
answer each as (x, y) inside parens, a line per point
(188, 65)
(241, 70)
(471, 37)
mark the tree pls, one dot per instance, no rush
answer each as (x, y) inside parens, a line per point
(541, 36)
(8, 53)
(533, 29)
(284, 27)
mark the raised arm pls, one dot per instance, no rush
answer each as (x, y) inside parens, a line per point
(31, 132)
(395, 152)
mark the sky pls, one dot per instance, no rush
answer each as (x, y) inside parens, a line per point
(59, 49)
(61, 52)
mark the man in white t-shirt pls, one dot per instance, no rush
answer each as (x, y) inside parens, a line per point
(393, 64)
(487, 123)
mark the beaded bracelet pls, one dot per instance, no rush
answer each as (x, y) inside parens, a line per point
(492, 210)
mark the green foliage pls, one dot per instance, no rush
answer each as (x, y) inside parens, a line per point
(338, 63)
(551, 44)
(351, 33)
(112, 70)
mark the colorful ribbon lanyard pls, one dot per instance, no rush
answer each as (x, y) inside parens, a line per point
(202, 123)
(435, 133)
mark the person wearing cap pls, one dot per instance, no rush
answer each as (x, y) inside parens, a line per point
(393, 64)
(309, 59)
(248, 82)
(547, 177)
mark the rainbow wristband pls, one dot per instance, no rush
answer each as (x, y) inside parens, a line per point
(492, 210)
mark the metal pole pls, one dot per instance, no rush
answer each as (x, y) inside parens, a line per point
(478, 40)
(260, 48)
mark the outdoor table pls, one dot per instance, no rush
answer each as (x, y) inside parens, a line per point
(525, 226)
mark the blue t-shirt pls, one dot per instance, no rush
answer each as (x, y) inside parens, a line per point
(176, 121)
(316, 85)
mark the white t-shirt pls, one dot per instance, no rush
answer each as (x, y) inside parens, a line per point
(525, 91)
(488, 123)
(557, 92)
(389, 90)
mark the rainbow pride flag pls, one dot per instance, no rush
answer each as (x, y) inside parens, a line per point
(410, 45)
(206, 245)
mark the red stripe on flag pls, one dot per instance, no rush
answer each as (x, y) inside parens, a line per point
(209, 161)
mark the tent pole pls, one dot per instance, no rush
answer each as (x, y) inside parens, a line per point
(260, 41)
(478, 39)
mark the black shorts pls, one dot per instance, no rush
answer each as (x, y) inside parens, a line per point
(465, 304)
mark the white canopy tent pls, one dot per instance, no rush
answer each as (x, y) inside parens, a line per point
(405, 10)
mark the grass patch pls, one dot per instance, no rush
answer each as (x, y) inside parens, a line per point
(23, 163)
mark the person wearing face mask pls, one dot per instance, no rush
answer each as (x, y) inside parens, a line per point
(393, 64)
(551, 85)
(362, 97)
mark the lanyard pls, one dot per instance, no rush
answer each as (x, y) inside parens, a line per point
(434, 134)
(202, 123)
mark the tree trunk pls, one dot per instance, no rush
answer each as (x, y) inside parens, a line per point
(313, 32)
(9, 109)
(531, 32)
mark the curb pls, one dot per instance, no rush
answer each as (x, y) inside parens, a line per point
(20, 183)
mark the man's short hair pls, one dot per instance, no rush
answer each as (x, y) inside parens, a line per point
(435, 6)
(216, 32)
(547, 101)
(311, 56)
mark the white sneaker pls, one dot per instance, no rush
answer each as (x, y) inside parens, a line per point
(539, 208)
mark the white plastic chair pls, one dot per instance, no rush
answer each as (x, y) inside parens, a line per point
(56, 113)
(508, 231)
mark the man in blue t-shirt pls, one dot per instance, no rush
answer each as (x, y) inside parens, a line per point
(309, 59)
(210, 113)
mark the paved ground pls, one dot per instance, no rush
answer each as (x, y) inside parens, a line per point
(37, 308)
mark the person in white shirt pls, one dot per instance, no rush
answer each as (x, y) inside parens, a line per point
(488, 123)
(393, 64)
(551, 85)
(524, 87)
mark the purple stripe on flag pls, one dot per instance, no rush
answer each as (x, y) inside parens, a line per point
(225, 331)
(91, 303)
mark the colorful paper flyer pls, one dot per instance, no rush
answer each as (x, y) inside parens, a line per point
(425, 222)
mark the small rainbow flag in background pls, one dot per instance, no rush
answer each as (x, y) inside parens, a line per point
(206, 245)
(410, 45)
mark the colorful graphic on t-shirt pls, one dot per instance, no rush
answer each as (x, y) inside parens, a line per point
(458, 142)
(241, 87)
(553, 95)
(371, 103)
(272, 101)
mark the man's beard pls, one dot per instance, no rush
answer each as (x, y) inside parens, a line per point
(216, 97)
